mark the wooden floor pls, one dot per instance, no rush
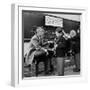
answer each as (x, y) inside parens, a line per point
(67, 71)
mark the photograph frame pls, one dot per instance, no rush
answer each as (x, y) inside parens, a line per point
(16, 52)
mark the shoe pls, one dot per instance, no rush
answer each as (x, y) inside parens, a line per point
(76, 70)
(60, 74)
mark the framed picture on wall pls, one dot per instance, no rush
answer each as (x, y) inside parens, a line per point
(47, 44)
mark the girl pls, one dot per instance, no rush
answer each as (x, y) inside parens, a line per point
(60, 51)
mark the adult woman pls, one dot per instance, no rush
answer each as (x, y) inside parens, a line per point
(35, 45)
(75, 44)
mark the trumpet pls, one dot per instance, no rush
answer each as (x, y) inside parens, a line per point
(66, 35)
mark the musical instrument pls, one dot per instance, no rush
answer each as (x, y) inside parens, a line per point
(66, 35)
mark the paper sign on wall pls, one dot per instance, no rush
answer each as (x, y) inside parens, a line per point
(53, 21)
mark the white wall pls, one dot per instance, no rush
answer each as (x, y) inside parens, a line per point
(5, 42)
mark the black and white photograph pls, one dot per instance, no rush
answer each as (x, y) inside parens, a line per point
(50, 43)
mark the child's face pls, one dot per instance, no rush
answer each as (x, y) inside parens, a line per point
(58, 34)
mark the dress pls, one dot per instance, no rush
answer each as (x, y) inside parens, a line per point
(61, 48)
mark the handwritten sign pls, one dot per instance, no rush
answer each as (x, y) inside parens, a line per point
(53, 21)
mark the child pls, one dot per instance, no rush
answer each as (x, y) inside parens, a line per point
(60, 51)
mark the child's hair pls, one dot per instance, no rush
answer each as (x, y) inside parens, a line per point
(59, 29)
